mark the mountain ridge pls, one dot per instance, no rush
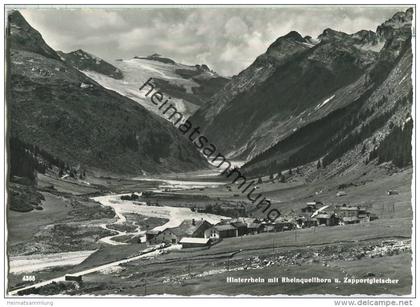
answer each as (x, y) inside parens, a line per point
(83, 60)
(383, 107)
(71, 117)
(311, 83)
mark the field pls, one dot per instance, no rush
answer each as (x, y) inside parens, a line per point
(349, 253)
(378, 249)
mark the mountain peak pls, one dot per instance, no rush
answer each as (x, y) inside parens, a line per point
(83, 60)
(291, 36)
(157, 57)
(202, 67)
(23, 37)
(286, 44)
(329, 34)
(398, 25)
(295, 36)
(15, 18)
(365, 37)
(85, 55)
(71, 118)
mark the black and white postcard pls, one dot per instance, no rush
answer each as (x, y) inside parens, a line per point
(217, 151)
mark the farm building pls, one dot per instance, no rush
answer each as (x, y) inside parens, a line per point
(150, 234)
(312, 206)
(165, 236)
(350, 220)
(268, 227)
(221, 231)
(191, 228)
(327, 218)
(242, 228)
(313, 215)
(352, 215)
(255, 228)
(187, 242)
(284, 225)
(305, 221)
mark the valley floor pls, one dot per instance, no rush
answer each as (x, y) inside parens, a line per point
(76, 220)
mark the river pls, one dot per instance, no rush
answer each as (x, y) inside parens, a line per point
(174, 215)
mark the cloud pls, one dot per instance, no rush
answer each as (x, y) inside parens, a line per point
(228, 39)
(235, 27)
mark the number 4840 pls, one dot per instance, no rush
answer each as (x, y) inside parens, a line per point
(28, 278)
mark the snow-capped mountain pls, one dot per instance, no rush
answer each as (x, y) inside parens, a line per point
(303, 100)
(188, 86)
(72, 118)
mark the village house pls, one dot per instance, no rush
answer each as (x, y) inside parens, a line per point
(255, 228)
(253, 225)
(241, 227)
(268, 227)
(277, 226)
(363, 215)
(327, 218)
(284, 225)
(191, 228)
(197, 233)
(150, 234)
(315, 214)
(188, 228)
(221, 231)
(306, 221)
(352, 215)
(311, 207)
(166, 236)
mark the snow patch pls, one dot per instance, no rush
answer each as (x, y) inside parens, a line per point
(371, 47)
(136, 72)
(402, 80)
(319, 106)
(85, 85)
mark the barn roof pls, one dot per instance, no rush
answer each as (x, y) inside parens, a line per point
(254, 225)
(194, 240)
(186, 228)
(224, 227)
(238, 224)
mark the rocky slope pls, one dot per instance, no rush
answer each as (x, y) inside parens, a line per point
(367, 120)
(82, 60)
(21, 36)
(71, 118)
(211, 116)
(299, 81)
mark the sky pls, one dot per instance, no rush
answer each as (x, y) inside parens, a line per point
(227, 39)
